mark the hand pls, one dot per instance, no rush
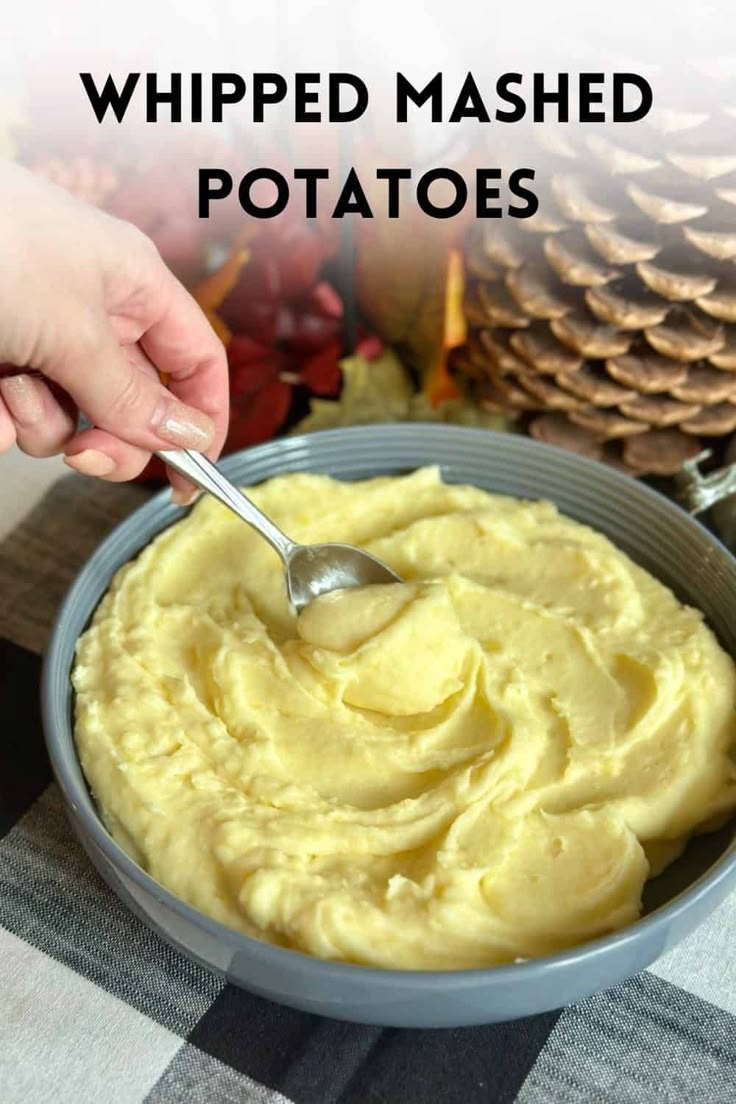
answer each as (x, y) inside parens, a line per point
(88, 306)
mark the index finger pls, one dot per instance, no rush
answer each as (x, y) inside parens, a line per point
(182, 344)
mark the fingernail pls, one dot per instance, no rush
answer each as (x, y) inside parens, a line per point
(182, 425)
(23, 398)
(91, 462)
(183, 498)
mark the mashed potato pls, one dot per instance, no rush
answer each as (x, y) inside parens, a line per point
(482, 763)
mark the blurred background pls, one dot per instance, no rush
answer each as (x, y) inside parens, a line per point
(605, 324)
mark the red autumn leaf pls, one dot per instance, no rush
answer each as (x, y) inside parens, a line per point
(249, 379)
(251, 365)
(299, 252)
(321, 372)
(283, 269)
(242, 348)
(259, 416)
(252, 305)
(306, 332)
(369, 347)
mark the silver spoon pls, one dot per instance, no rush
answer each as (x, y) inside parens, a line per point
(311, 569)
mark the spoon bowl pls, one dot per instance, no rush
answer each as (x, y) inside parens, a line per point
(314, 569)
(311, 569)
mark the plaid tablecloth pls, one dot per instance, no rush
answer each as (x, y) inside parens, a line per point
(94, 1007)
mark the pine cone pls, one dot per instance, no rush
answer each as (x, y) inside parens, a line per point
(607, 322)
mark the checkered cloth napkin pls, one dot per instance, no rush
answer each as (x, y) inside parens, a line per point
(94, 1007)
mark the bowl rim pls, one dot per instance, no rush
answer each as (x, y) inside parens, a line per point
(57, 730)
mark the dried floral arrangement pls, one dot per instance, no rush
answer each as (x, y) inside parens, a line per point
(275, 291)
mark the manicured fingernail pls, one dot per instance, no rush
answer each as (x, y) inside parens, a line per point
(23, 397)
(182, 425)
(183, 498)
(91, 462)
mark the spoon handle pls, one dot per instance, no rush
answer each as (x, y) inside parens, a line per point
(201, 471)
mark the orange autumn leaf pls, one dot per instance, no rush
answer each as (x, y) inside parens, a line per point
(409, 274)
(456, 330)
(214, 288)
(439, 384)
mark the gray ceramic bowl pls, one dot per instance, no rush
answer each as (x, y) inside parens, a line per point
(656, 533)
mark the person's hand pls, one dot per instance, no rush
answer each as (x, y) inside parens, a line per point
(87, 302)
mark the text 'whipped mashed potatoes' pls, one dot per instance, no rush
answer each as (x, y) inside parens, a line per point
(482, 763)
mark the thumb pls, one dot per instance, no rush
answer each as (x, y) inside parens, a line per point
(127, 399)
